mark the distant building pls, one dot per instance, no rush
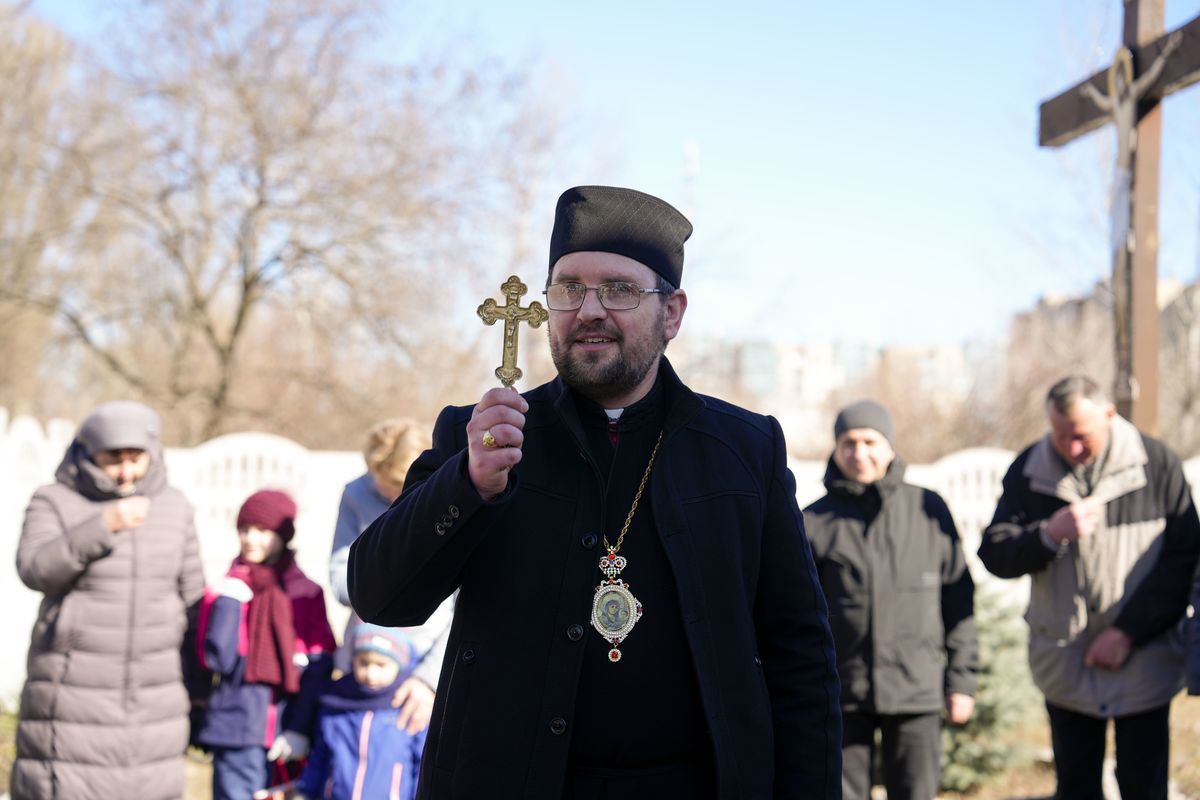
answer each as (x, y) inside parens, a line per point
(1078, 331)
(942, 374)
(1075, 334)
(802, 385)
(794, 383)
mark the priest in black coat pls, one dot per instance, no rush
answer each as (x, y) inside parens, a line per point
(638, 612)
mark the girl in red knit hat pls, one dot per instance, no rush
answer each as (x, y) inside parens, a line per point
(265, 635)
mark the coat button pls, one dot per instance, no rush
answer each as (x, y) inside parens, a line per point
(575, 632)
(446, 520)
(439, 529)
(588, 541)
(454, 512)
(558, 726)
(468, 656)
(757, 659)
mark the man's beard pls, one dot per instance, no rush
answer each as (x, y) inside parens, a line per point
(603, 377)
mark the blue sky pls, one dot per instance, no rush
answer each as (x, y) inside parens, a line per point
(867, 171)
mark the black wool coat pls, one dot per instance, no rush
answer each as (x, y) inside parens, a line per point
(901, 599)
(724, 506)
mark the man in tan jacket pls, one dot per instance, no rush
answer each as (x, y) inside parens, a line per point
(1101, 517)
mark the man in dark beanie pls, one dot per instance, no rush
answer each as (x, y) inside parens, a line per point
(639, 611)
(901, 606)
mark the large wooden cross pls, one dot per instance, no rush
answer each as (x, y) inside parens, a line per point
(1149, 66)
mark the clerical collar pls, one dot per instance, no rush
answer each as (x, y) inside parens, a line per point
(645, 411)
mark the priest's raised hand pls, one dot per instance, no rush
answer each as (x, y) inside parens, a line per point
(495, 434)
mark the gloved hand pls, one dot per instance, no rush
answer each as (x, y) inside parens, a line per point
(289, 746)
(235, 588)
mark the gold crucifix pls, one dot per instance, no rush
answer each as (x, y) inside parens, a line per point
(512, 313)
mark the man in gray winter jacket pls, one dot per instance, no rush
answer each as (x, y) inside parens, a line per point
(104, 712)
(1101, 517)
(901, 605)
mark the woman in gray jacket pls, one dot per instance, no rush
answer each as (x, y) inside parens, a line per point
(104, 712)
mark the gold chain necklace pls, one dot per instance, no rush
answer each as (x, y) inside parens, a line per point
(614, 608)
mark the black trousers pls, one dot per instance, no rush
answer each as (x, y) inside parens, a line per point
(911, 749)
(1143, 742)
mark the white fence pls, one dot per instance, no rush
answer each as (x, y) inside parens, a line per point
(219, 474)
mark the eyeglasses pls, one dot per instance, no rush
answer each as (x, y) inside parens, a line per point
(619, 296)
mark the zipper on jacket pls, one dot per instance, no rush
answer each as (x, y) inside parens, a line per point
(873, 550)
(128, 699)
(397, 777)
(364, 740)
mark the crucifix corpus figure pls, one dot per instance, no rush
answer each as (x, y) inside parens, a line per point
(1149, 67)
(1121, 104)
(512, 313)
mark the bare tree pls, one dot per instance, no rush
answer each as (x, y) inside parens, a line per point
(933, 414)
(1060, 337)
(288, 217)
(41, 198)
(1056, 338)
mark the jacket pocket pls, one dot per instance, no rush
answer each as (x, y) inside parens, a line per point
(919, 607)
(843, 578)
(62, 629)
(849, 620)
(451, 724)
(1056, 611)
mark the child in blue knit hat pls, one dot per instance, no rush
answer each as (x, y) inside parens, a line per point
(360, 747)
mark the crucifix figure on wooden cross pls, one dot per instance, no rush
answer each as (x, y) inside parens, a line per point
(1121, 103)
(1128, 94)
(512, 313)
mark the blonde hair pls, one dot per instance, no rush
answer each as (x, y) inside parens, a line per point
(392, 446)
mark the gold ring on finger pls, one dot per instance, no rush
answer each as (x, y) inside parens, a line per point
(488, 439)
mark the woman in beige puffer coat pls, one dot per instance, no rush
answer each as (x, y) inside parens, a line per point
(104, 712)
